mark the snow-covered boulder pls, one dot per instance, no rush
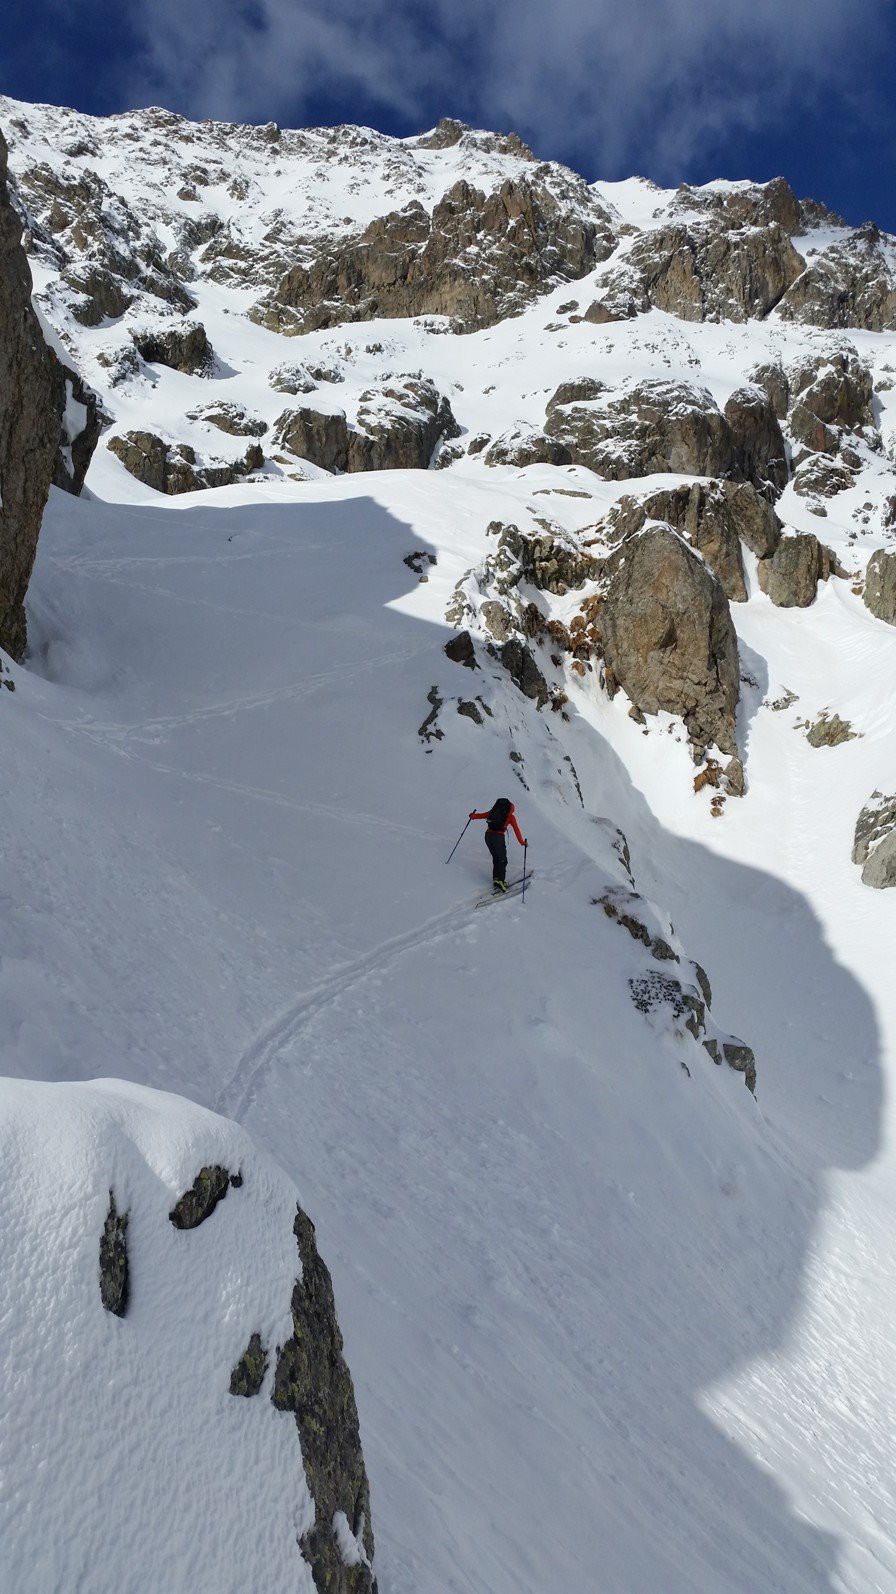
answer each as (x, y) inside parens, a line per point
(651, 426)
(397, 428)
(176, 467)
(164, 1305)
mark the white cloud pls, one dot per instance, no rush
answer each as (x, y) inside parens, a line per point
(650, 84)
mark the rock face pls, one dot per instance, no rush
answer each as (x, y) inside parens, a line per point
(668, 636)
(398, 428)
(714, 518)
(852, 284)
(312, 1381)
(709, 270)
(175, 467)
(880, 586)
(475, 257)
(30, 430)
(523, 671)
(791, 575)
(81, 423)
(651, 426)
(832, 399)
(114, 1283)
(183, 348)
(874, 846)
(760, 453)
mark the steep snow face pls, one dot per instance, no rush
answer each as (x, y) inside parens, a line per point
(615, 1322)
(122, 1452)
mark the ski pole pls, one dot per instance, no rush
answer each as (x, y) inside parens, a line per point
(525, 850)
(457, 843)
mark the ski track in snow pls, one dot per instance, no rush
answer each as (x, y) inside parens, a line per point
(241, 1091)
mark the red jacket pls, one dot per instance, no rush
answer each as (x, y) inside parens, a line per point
(510, 820)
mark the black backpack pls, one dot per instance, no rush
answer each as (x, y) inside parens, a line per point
(497, 816)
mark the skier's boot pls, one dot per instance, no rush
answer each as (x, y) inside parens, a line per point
(499, 885)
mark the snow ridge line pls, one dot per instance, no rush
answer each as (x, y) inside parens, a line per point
(238, 1095)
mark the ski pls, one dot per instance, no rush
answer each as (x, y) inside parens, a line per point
(514, 889)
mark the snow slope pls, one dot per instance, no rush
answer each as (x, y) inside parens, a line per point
(614, 1324)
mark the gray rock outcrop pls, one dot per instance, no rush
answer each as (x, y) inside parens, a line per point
(475, 258)
(668, 636)
(397, 428)
(114, 1280)
(182, 348)
(874, 846)
(312, 1381)
(760, 452)
(791, 575)
(81, 421)
(714, 518)
(880, 585)
(850, 284)
(651, 426)
(175, 467)
(708, 270)
(30, 429)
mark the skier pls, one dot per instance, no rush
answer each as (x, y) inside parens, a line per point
(499, 816)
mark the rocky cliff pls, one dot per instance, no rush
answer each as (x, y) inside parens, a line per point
(30, 428)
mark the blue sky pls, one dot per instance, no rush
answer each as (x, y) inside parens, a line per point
(677, 90)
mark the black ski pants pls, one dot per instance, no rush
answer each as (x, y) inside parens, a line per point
(497, 846)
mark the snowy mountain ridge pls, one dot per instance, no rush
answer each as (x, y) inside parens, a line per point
(430, 471)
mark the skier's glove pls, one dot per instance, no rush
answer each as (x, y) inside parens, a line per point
(472, 813)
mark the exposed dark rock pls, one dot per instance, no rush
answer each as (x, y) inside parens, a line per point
(312, 1381)
(183, 348)
(547, 562)
(760, 454)
(476, 258)
(429, 731)
(772, 379)
(248, 1374)
(741, 1058)
(210, 1186)
(29, 425)
(874, 846)
(81, 423)
(619, 905)
(461, 650)
(830, 730)
(668, 637)
(851, 284)
(470, 712)
(398, 428)
(114, 1280)
(880, 586)
(791, 576)
(707, 270)
(755, 205)
(652, 426)
(523, 671)
(175, 467)
(820, 475)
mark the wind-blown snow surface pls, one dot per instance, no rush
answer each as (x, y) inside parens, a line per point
(124, 1459)
(613, 1325)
